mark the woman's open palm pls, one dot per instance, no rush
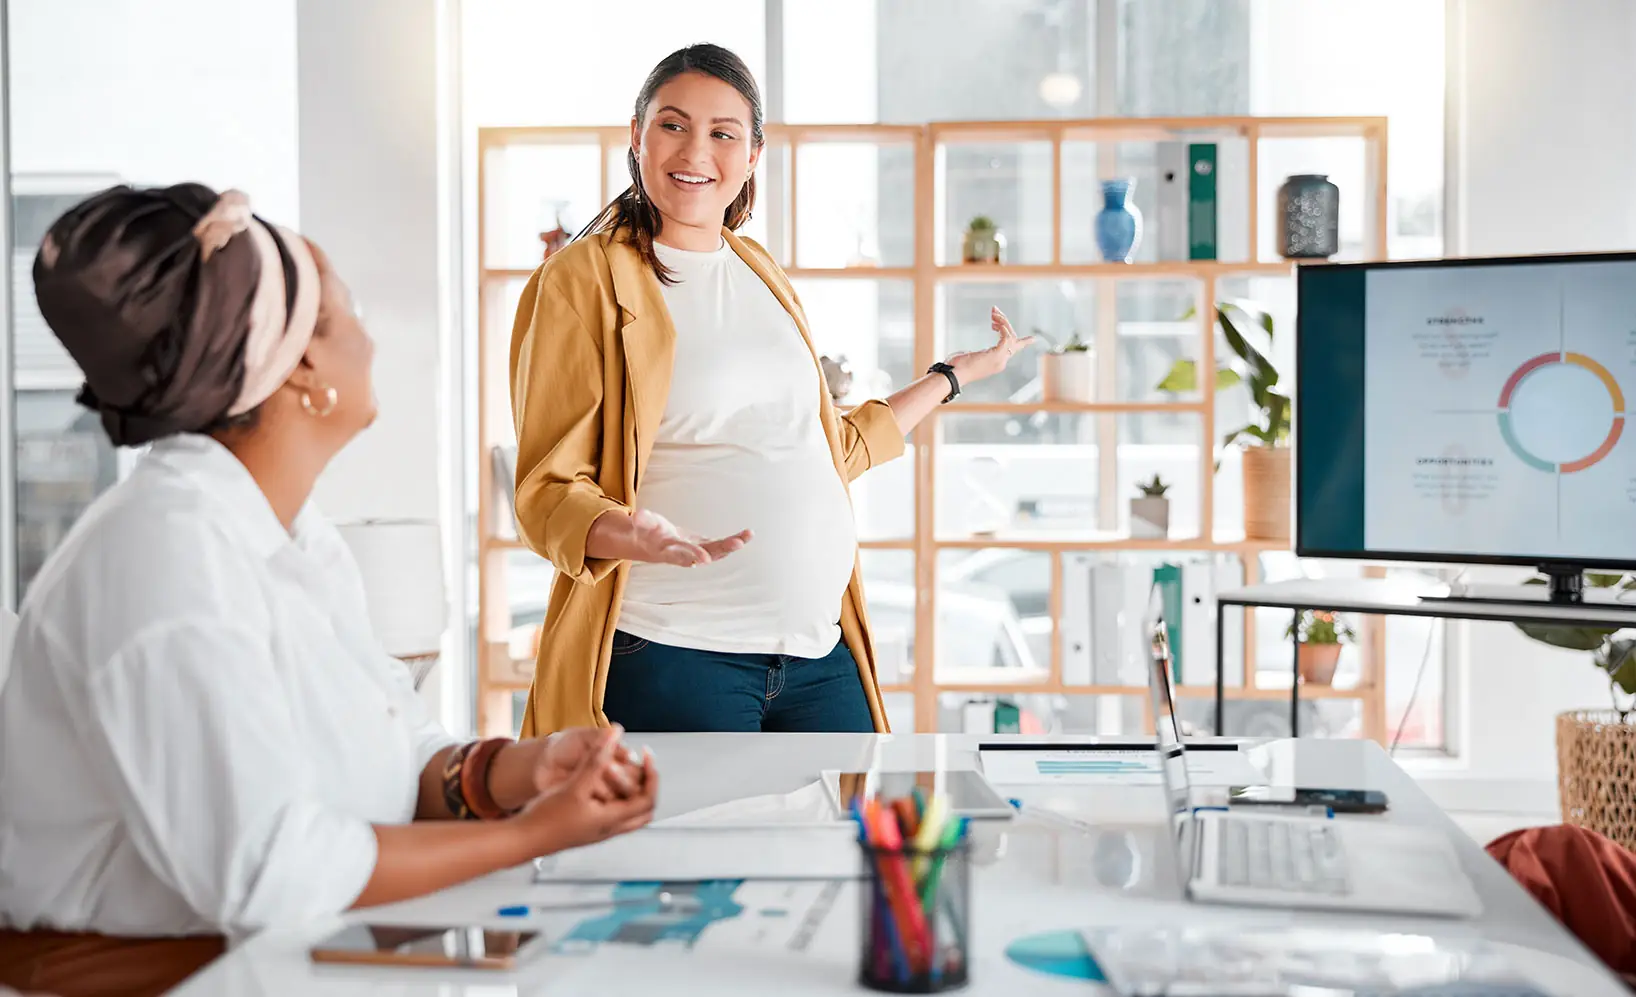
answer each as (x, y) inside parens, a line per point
(655, 539)
(986, 363)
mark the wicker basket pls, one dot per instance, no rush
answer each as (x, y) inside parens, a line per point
(1596, 773)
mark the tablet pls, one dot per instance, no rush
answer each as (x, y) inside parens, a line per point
(464, 947)
(968, 791)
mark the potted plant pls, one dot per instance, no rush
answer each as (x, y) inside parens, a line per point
(1150, 511)
(983, 242)
(1320, 632)
(1068, 370)
(1596, 749)
(1248, 331)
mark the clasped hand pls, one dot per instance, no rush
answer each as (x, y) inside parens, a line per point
(588, 787)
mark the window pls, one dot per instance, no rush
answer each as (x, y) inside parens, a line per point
(930, 60)
(917, 61)
(64, 459)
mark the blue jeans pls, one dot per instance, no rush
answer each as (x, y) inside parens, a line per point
(656, 687)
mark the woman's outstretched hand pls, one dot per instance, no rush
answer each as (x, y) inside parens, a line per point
(973, 367)
(648, 536)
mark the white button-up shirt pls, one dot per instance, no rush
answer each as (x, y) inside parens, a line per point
(199, 727)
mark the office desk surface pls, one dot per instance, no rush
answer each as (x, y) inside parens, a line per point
(1031, 878)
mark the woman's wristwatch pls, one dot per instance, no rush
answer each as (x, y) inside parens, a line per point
(948, 372)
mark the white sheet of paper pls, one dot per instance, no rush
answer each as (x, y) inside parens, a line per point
(808, 805)
(1093, 767)
(691, 853)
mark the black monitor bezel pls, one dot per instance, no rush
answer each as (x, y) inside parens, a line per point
(1302, 549)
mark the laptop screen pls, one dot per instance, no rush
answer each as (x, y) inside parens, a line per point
(1168, 739)
(1166, 728)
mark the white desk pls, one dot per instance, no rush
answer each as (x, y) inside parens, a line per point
(1399, 597)
(1035, 879)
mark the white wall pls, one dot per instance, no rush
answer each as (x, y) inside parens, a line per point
(372, 196)
(1546, 135)
(205, 92)
(1547, 125)
(327, 114)
(369, 194)
(345, 149)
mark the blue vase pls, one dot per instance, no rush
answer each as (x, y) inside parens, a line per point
(1119, 223)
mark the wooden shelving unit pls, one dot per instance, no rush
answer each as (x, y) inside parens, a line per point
(500, 675)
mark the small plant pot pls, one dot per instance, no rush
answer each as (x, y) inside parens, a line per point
(1266, 494)
(983, 245)
(1068, 377)
(1316, 662)
(1149, 517)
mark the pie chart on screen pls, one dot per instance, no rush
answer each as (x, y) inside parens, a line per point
(1561, 412)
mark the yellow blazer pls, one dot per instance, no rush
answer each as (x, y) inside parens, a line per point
(591, 355)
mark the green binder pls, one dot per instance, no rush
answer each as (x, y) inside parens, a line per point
(1168, 577)
(1007, 717)
(1201, 201)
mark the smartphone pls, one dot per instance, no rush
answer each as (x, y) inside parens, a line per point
(464, 947)
(1347, 801)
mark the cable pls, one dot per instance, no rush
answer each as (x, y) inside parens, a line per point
(1414, 691)
(1420, 673)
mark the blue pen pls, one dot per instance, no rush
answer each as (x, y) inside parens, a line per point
(662, 900)
(894, 944)
(883, 911)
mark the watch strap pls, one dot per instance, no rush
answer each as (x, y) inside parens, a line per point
(948, 372)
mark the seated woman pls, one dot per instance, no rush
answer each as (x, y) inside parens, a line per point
(1586, 880)
(200, 736)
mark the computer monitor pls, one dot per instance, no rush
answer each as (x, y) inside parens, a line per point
(1468, 411)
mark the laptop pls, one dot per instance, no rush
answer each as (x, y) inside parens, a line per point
(1289, 860)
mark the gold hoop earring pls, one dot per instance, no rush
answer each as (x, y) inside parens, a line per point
(331, 396)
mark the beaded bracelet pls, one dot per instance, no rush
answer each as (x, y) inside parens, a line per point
(474, 779)
(465, 779)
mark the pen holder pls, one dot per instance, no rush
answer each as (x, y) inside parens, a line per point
(916, 919)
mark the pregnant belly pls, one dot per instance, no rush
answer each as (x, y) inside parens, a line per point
(785, 585)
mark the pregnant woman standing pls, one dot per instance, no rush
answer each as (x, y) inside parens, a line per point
(679, 459)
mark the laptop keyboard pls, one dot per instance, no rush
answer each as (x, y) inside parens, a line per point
(1304, 857)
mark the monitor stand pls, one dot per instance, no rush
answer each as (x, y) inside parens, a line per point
(1565, 586)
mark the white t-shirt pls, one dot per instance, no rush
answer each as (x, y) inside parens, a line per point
(199, 728)
(741, 446)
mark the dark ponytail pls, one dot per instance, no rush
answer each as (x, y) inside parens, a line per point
(632, 211)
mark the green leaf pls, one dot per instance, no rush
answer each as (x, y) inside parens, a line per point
(1261, 373)
(1183, 376)
(1601, 580)
(1255, 314)
(1277, 407)
(1619, 661)
(1566, 637)
(1250, 430)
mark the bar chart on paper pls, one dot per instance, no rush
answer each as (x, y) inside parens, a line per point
(1094, 766)
(1124, 766)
